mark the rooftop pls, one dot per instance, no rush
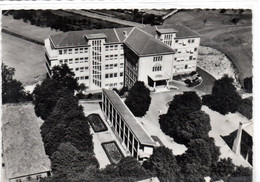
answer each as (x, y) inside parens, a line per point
(23, 148)
(96, 36)
(143, 44)
(117, 35)
(129, 118)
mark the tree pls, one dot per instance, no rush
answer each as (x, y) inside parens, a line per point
(12, 89)
(67, 162)
(47, 94)
(163, 163)
(223, 168)
(183, 125)
(138, 99)
(65, 77)
(187, 100)
(224, 97)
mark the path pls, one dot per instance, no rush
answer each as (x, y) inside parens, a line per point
(105, 18)
(170, 14)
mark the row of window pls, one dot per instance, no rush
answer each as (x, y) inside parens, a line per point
(183, 59)
(181, 41)
(157, 68)
(168, 36)
(157, 58)
(77, 60)
(113, 84)
(112, 75)
(111, 66)
(38, 177)
(96, 43)
(113, 57)
(81, 69)
(168, 42)
(186, 50)
(82, 78)
(113, 47)
(181, 67)
(73, 51)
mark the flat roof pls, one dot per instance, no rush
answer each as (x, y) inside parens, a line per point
(23, 150)
(167, 30)
(157, 77)
(95, 36)
(129, 118)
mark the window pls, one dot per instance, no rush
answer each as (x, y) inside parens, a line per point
(192, 40)
(76, 51)
(186, 66)
(157, 68)
(65, 51)
(121, 65)
(61, 61)
(86, 68)
(18, 180)
(115, 74)
(107, 76)
(107, 67)
(157, 58)
(65, 61)
(85, 50)
(175, 59)
(70, 61)
(107, 48)
(60, 52)
(121, 74)
(190, 57)
(77, 69)
(111, 75)
(115, 65)
(176, 41)
(195, 49)
(70, 51)
(77, 60)
(86, 77)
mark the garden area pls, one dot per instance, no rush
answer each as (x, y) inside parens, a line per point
(190, 79)
(97, 123)
(113, 152)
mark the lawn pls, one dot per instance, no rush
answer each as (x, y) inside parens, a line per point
(97, 123)
(113, 152)
(219, 32)
(27, 58)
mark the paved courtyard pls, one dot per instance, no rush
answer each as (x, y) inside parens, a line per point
(101, 137)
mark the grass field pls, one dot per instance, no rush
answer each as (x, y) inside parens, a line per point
(27, 58)
(218, 31)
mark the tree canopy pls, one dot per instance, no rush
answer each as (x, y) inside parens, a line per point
(163, 163)
(138, 99)
(224, 97)
(12, 89)
(50, 90)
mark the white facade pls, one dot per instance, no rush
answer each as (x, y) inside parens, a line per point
(97, 65)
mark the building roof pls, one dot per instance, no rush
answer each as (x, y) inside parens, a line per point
(129, 118)
(77, 38)
(144, 44)
(249, 128)
(95, 36)
(117, 35)
(23, 150)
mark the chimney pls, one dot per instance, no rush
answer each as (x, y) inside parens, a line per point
(237, 142)
(125, 34)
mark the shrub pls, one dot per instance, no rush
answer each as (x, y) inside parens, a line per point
(187, 81)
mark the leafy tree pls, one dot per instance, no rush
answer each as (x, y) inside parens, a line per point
(163, 163)
(187, 100)
(223, 168)
(248, 84)
(68, 162)
(138, 99)
(224, 97)
(183, 125)
(50, 90)
(65, 77)
(66, 123)
(12, 89)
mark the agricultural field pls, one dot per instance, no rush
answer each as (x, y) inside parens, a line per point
(228, 31)
(26, 57)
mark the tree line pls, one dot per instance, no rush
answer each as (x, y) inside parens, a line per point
(58, 20)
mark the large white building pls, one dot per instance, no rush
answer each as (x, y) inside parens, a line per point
(111, 58)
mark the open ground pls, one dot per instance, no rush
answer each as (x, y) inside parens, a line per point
(218, 31)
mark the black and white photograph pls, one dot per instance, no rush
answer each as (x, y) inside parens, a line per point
(127, 94)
